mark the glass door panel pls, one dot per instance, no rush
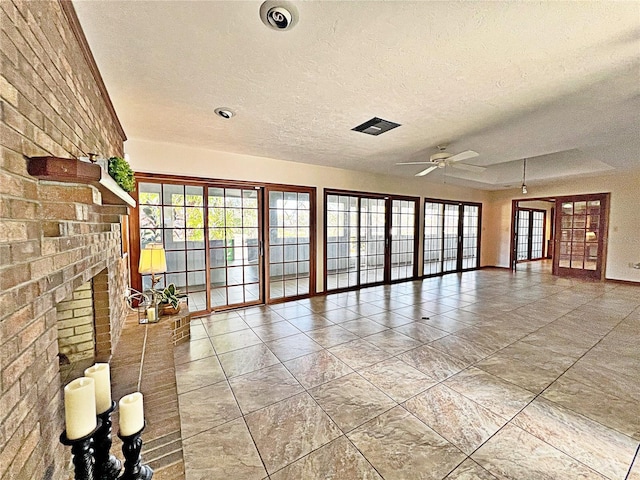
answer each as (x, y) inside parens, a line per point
(341, 248)
(173, 215)
(522, 249)
(289, 253)
(537, 234)
(433, 237)
(450, 250)
(470, 229)
(372, 240)
(235, 276)
(403, 226)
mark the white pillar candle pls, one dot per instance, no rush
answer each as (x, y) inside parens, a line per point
(151, 314)
(101, 375)
(80, 407)
(131, 414)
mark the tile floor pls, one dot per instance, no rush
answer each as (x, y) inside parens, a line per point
(481, 375)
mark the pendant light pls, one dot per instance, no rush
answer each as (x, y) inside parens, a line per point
(524, 176)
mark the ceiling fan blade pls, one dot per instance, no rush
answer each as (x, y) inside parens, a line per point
(468, 168)
(416, 163)
(425, 171)
(462, 156)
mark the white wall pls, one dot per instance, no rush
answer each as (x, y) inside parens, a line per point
(624, 220)
(174, 159)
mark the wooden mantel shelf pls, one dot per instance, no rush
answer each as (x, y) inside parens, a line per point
(76, 171)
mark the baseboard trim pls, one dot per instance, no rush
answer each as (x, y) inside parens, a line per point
(622, 282)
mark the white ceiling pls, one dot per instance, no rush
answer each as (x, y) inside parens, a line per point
(556, 82)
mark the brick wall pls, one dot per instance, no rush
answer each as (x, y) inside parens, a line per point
(76, 335)
(53, 237)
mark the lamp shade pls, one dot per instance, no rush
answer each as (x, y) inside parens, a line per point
(152, 260)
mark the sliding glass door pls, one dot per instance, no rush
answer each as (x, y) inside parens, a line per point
(235, 264)
(218, 251)
(291, 243)
(369, 239)
(451, 237)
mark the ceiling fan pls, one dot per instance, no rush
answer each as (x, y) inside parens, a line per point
(445, 159)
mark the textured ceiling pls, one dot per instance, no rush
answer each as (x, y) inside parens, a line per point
(556, 82)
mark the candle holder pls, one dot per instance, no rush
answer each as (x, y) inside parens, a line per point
(82, 451)
(107, 466)
(133, 467)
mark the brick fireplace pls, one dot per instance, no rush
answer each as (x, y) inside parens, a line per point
(55, 236)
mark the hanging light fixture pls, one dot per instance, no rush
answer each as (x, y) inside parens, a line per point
(524, 176)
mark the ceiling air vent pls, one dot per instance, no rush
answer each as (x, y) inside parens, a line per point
(376, 126)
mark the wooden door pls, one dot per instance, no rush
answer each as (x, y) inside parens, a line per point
(581, 236)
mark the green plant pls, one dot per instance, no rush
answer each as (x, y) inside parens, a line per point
(121, 172)
(170, 296)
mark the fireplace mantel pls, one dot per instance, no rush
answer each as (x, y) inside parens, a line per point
(70, 170)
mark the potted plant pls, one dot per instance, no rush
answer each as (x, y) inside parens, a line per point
(169, 300)
(121, 172)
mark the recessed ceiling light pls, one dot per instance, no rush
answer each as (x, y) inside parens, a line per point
(224, 112)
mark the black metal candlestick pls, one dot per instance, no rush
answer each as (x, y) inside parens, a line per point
(82, 451)
(133, 467)
(107, 466)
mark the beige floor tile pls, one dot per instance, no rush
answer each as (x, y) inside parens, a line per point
(604, 450)
(461, 421)
(317, 368)
(392, 342)
(290, 429)
(293, 346)
(193, 350)
(351, 400)
(530, 377)
(394, 318)
(195, 418)
(470, 470)
(310, 322)
(197, 374)
(421, 332)
(502, 398)
(338, 460)
(401, 447)
(222, 453)
(275, 330)
(245, 360)
(216, 326)
(258, 318)
(433, 362)
(597, 404)
(363, 327)
(445, 322)
(331, 336)
(359, 354)
(397, 379)
(458, 347)
(516, 455)
(263, 387)
(234, 341)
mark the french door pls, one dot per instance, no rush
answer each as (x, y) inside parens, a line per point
(581, 236)
(369, 239)
(451, 237)
(530, 234)
(217, 248)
